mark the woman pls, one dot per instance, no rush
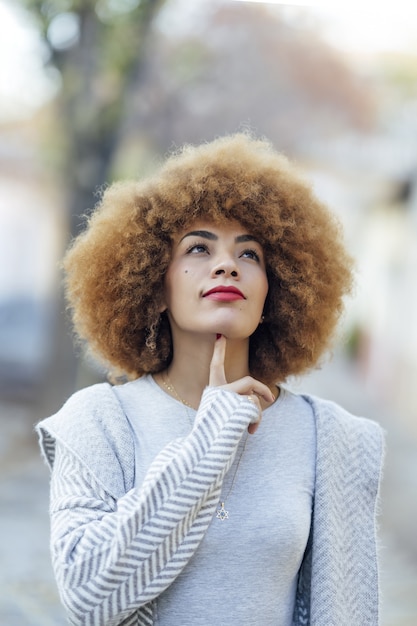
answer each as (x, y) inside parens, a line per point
(202, 491)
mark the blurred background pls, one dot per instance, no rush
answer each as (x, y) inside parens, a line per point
(96, 90)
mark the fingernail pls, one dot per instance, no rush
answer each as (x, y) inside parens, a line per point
(218, 335)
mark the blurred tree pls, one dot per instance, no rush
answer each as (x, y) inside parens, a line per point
(248, 63)
(98, 48)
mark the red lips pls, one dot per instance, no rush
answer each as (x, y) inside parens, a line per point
(224, 293)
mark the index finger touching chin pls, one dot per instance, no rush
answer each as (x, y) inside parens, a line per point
(217, 373)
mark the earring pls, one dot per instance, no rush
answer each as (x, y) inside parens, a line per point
(152, 334)
(262, 319)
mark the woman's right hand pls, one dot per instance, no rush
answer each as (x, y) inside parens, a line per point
(246, 386)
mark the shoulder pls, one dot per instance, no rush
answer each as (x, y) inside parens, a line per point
(92, 408)
(346, 438)
(330, 415)
(92, 426)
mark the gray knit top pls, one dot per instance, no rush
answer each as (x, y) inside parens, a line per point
(117, 546)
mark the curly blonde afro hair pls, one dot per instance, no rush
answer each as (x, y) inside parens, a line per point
(115, 269)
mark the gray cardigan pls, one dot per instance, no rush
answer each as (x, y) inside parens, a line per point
(115, 547)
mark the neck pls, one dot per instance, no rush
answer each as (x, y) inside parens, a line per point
(190, 367)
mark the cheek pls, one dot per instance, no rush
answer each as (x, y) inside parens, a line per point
(178, 283)
(263, 289)
(187, 273)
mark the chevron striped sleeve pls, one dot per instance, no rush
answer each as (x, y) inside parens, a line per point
(112, 556)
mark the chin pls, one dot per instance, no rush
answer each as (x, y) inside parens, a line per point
(234, 333)
(230, 328)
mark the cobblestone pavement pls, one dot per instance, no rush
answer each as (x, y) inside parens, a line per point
(27, 591)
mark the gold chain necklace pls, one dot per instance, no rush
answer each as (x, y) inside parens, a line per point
(168, 385)
(221, 513)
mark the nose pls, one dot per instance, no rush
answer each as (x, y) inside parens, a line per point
(226, 266)
(223, 271)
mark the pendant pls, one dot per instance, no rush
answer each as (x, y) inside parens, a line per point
(222, 514)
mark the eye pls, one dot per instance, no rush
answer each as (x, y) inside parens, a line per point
(251, 254)
(197, 248)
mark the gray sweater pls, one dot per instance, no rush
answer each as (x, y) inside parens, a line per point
(117, 547)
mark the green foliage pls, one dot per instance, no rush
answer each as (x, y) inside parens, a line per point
(401, 72)
(114, 27)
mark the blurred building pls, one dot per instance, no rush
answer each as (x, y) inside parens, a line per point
(30, 238)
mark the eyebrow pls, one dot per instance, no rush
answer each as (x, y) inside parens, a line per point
(206, 234)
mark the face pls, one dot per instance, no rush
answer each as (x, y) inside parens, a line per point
(216, 281)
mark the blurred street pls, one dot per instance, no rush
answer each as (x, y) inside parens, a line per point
(27, 590)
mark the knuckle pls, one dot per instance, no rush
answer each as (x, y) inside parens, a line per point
(248, 380)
